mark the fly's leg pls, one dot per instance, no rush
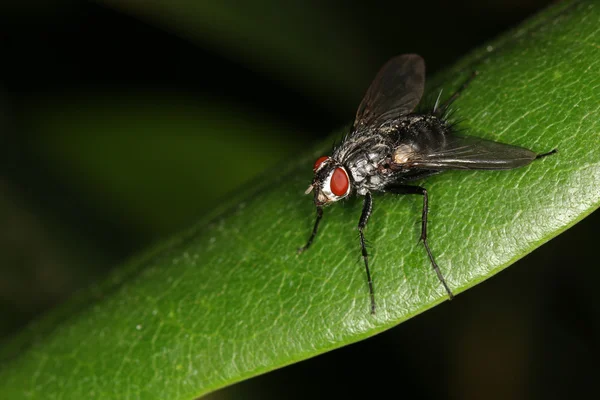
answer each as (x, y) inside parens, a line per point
(362, 223)
(444, 107)
(404, 189)
(314, 231)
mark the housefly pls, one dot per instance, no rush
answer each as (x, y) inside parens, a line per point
(389, 146)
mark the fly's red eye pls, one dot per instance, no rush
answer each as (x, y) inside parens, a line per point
(319, 162)
(339, 182)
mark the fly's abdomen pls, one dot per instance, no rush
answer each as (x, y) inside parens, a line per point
(422, 132)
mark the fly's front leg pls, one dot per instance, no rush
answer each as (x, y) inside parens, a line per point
(314, 231)
(362, 223)
(404, 189)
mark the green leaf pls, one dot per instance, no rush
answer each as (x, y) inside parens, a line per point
(230, 298)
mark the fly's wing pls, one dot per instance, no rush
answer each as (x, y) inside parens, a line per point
(462, 152)
(395, 91)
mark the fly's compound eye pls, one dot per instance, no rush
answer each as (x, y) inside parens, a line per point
(335, 187)
(318, 163)
(339, 183)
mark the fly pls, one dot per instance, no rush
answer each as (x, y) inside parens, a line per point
(390, 146)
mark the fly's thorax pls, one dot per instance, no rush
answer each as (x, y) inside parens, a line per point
(368, 170)
(362, 154)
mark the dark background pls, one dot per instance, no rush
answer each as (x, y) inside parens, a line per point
(112, 120)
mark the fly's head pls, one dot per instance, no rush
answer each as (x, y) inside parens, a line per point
(331, 182)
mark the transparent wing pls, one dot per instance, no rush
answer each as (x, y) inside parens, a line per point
(464, 152)
(395, 91)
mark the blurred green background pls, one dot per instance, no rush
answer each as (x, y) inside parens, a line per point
(124, 121)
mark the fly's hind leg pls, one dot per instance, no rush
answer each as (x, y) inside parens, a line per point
(406, 189)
